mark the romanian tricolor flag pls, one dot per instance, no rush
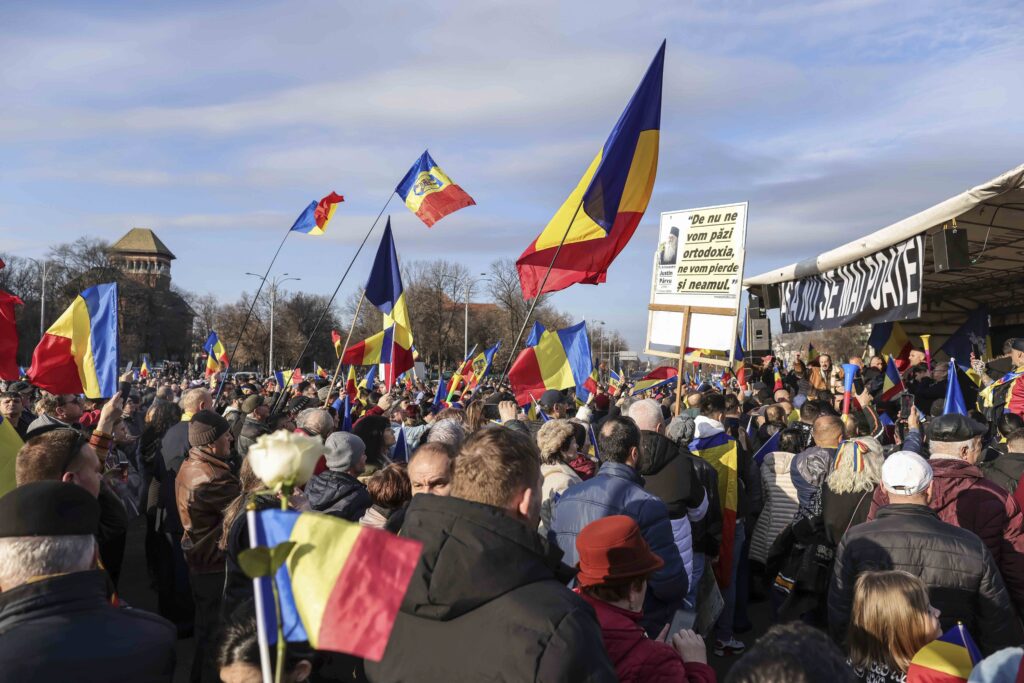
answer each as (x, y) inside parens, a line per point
(144, 369)
(320, 372)
(341, 586)
(379, 349)
(429, 193)
(1006, 393)
(384, 290)
(461, 373)
(10, 444)
(889, 339)
(657, 377)
(370, 380)
(589, 386)
(9, 369)
(559, 360)
(216, 354)
(778, 380)
(79, 353)
(719, 450)
(947, 659)
(600, 215)
(314, 220)
(614, 382)
(336, 340)
(350, 384)
(482, 365)
(892, 382)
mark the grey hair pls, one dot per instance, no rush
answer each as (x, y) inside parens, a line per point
(647, 414)
(681, 429)
(843, 478)
(23, 558)
(316, 420)
(449, 431)
(627, 403)
(949, 449)
(192, 400)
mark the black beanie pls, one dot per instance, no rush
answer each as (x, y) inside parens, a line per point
(205, 427)
(48, 508)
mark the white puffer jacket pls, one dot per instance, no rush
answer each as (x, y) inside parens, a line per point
(780, 506)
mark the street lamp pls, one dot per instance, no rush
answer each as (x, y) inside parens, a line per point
(600, 344)
(274, 284)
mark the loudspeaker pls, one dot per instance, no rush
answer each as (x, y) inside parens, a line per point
(950, 250)
(758, 335)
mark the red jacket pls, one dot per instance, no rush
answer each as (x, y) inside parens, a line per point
(963, 497)
(637, 658)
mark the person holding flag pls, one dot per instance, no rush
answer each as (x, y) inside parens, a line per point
(216, 355)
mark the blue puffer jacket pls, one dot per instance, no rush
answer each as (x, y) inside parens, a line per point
(618, 490)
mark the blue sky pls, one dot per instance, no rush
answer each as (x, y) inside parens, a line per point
(216, 123)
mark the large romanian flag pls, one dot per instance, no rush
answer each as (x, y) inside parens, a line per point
(314, 219)
(889, 340)
(341, 585)
(559, 360)
(720, 451)
(216, 354)
(947, 659)
(385, 291)
(79, 353)
(429, 193)
(658, 377)
(602, 212)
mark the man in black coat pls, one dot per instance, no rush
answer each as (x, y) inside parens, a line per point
(1007, 469)
(963, 581)
(488, 600)
(56, 620)
(336, 490)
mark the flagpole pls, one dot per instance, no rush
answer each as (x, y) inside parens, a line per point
(238, 339)
(323, 314)
(540, 291)
(351, 329)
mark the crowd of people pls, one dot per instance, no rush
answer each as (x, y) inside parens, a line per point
(566, 541)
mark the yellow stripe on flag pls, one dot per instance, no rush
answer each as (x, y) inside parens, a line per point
(553, 363)
(946, 657)
(10, 444)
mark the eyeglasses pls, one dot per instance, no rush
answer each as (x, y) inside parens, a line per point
(63, 403)
(74, 449)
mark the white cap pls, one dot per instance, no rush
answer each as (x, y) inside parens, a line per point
(906, 473)
(583, 414)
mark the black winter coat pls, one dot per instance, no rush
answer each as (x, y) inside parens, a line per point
(841, 511)
(1005, 470)
(962, 578)
(65, 629)
(707, 533)
(339, 494)
(488, 602)
(668, 475)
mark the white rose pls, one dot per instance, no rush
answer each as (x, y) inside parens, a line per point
(283, 459)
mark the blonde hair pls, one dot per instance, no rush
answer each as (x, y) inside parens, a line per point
(858, 466)
(891, 619)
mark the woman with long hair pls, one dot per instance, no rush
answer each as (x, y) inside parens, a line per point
(379, 437)
(475, 416)
(846, 495)
(892, 619)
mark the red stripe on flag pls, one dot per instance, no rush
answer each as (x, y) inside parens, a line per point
(9, 369)
(53, 367)
(354, 354)
(364, 602)
(437, 205)
(723, 570)
(526, 377)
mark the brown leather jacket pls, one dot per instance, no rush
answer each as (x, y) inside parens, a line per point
(204, 487)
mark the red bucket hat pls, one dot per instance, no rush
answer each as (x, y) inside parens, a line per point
(612, 551)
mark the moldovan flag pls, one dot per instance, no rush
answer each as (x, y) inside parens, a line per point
(79, 353)
(216, 354)
(947, 659)
(314, 220)
(384, 290)
(10, 444)
(889, 339)
(482, 365)
(656, 378)
(611, 196)
(614, 383)
(429, 193)
(461, 373)
(336, 340)
(9, 369)
(340, 587)
(559, 360)
(719, 450)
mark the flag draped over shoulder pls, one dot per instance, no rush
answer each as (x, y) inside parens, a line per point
(950, 658)
(79, 353)
(385, 291)
(612, 197)
(340, 587)
(429, 193)
(720, 451)
(559, 360)
(314, 219)
(9, 369)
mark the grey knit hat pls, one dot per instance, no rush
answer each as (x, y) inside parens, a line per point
(342, 449)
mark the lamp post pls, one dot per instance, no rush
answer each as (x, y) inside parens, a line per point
(600, 344)
(42, 294)
(274, 284)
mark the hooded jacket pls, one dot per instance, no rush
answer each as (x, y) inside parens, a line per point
(63, 628)
(637, 658)
(488, 602)
(963, 581)
(780, 505)
(339, 494)
(963, 497)
(618, 490)
(1005, 470)
(809, 470)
